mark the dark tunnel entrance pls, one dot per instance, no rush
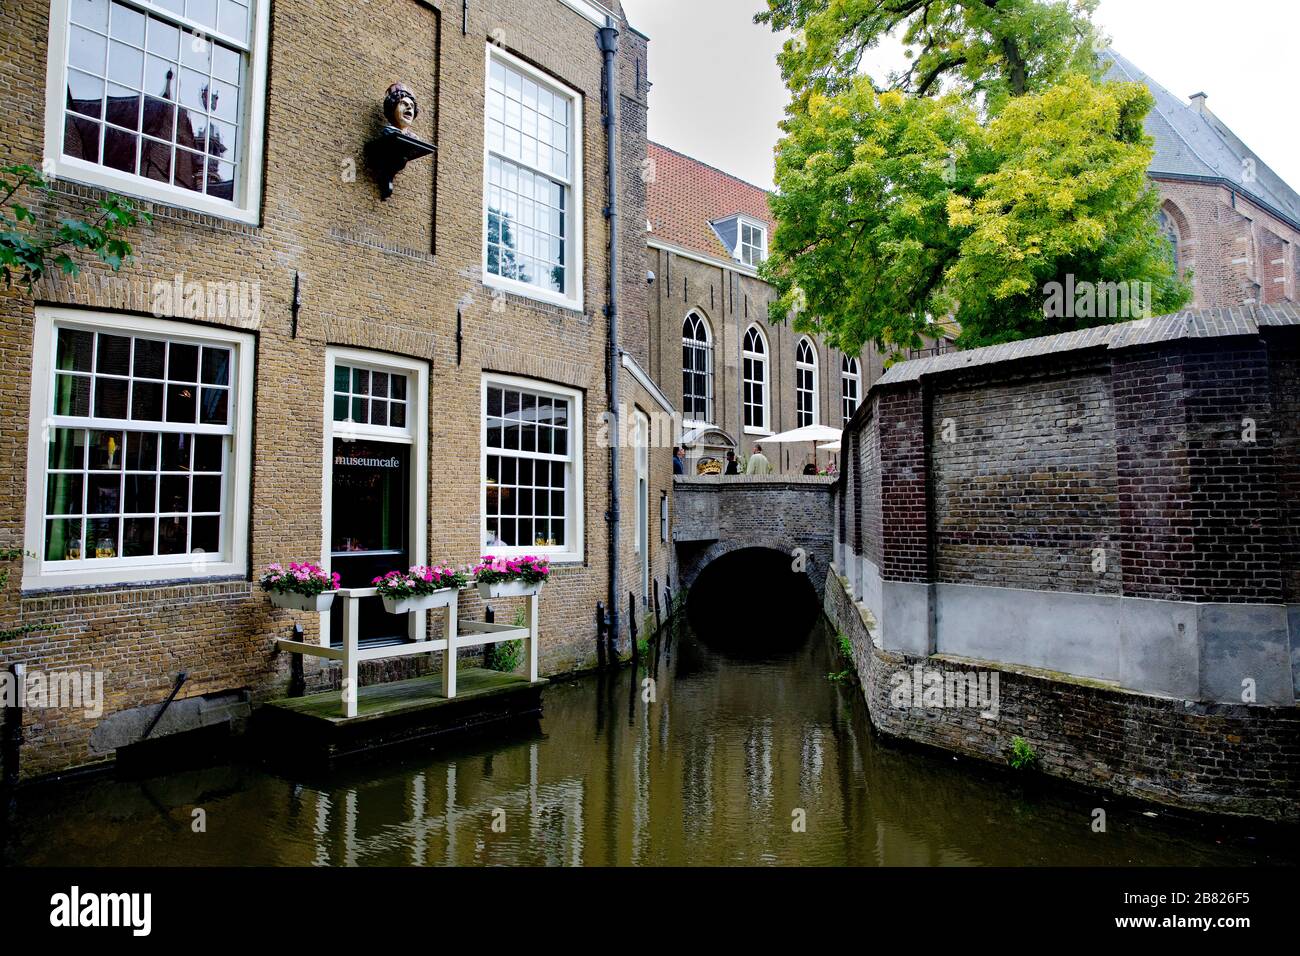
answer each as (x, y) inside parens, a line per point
(752, 601)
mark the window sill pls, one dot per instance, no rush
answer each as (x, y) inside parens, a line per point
(526, 291)
(37, 583)
(556, 558)
(135, 187)
(751, 430)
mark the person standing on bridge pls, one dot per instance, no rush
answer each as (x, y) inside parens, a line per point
(733, 466)
(758, 464)
(679, 463)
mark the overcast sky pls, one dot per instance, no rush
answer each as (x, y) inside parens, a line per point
(718, 94)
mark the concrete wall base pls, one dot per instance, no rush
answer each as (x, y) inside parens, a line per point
(1213, 757)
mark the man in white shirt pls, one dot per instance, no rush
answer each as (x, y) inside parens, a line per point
(758, 464)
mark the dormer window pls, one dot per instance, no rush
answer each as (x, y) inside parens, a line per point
(743, 237)
(752, 248)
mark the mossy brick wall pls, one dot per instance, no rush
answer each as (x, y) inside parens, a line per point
(370, 278)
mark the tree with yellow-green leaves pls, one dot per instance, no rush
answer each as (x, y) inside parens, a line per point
(996, 164)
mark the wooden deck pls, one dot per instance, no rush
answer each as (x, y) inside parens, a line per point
(395, 713)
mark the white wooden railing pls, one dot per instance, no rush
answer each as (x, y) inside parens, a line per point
(459, 634)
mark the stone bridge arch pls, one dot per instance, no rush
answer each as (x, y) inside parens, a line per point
(717, 516)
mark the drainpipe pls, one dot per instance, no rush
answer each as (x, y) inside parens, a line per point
(607, 42)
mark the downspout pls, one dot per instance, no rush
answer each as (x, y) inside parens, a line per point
(607, 41)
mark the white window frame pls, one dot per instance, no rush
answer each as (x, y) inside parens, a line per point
(248, 188)
(415, 434)
(233, 560)
(765, 428)
(641, 537)
(741, 223)
(814, 393)
(572, 299)
(850, 372)
(707, 348)
(575, 498)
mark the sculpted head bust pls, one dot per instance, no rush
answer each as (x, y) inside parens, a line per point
(400, 108)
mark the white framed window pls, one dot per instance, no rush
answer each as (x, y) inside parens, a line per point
(531, 501)
(370, 398)
(697, 370)
(754, 355)
(532, 183)
(139, 451)
(805, 384)
(160, 99)
(751, 242)
(850, 386)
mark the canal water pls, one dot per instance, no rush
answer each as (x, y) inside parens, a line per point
(720, 767)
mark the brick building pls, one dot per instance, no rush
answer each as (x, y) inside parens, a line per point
(1107, 520)
(1233, 222)
(734, 375)
(295, 368)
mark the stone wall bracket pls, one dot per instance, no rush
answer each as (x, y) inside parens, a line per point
(389, 152)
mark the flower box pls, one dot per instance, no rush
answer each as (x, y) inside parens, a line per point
(419, 602)
(301, 587)
(420, 588)
(499, 577)
(508, 589)
(303, 602)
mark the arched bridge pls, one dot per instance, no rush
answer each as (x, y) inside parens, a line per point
(715, 516)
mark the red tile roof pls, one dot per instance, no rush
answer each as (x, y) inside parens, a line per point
(684, 195)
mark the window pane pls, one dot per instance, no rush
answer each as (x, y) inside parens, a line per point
(67, 448)
(63, 539)
(104, 494)
(147, 401)
(141, 494)
(150, 358)
(214, 410)
(205, 535)
(75, 349)
(137, 537)
(216, 366)
(176, 452)
(110, 397)
(181, 403)
(63, 495)
(141, 451)
(183, 363)
(172, 535)
(105, 451)
(101, 534)
(207, 453)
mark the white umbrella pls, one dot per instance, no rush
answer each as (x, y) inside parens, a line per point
(829, 446)
(809, 433)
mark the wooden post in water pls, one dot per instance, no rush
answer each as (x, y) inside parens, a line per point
(602, 622)
(659, 622)
(631, 624)
(11, 742)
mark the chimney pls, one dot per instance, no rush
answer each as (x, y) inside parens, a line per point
(1198, 102)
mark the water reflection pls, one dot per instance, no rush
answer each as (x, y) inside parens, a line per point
(706, 765)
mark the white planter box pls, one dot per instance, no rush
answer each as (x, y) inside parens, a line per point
(507, 589)
(302, 602)
(422, 603)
